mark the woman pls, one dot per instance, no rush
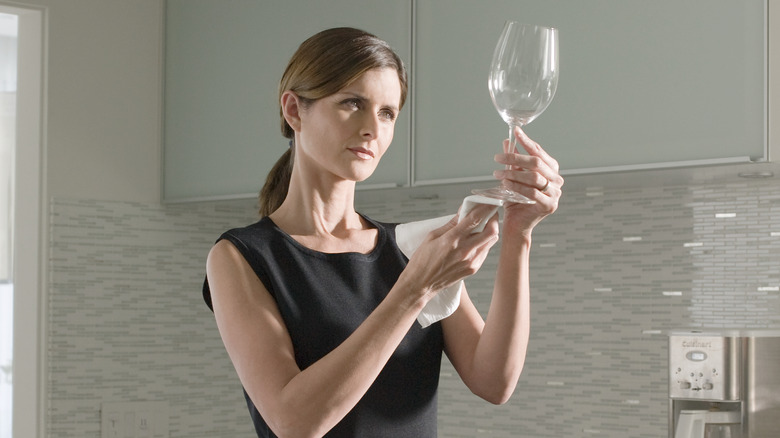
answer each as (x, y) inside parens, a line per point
(316, 304)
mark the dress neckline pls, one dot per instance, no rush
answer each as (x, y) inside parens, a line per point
(381, 238)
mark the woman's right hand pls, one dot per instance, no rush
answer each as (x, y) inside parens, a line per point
(451, 253)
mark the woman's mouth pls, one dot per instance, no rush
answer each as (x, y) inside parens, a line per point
(363, 154)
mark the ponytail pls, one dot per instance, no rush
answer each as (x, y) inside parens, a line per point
(276, 184)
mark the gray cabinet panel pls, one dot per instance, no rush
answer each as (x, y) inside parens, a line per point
(223, 64)
(643, 84)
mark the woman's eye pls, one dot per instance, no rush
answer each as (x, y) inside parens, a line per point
(388, 115)
(352, 104)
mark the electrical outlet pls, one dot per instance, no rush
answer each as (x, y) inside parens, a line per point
(146, 419)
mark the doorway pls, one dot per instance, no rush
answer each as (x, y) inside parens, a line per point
(21, 208)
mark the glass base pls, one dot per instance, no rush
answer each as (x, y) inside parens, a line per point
(503, 194)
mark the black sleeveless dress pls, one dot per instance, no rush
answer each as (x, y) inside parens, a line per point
(323, 298)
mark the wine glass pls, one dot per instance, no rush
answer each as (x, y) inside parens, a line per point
(522, 83)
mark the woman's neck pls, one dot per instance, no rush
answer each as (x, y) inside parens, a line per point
(318, 209)
(325, 221)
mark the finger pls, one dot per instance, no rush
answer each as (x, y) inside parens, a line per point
(537, 160)
(492, 225)
(481, 251)
(532, 185)
(533, 148)
(487, 237)
(536, 179)
(546, 201)
(489, 224)
(534, 163)
(474, 218)
(437, 232)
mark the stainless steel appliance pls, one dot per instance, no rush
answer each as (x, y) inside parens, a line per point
(724, 384)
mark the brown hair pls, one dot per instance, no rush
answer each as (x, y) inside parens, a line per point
(324, 64)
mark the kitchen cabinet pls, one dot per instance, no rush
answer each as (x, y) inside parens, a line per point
(642, 85)
(223, 63)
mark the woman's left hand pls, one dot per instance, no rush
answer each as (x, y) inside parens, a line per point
(536, 177)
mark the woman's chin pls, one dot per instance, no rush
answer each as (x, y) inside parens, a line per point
(360, 175)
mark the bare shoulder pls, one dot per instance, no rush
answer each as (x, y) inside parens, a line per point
(230, 276)
(251, 327)
(223, 255)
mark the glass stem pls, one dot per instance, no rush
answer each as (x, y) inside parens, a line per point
(512, 142)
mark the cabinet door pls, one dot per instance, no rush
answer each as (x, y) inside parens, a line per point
(223, 63)
(643, 84)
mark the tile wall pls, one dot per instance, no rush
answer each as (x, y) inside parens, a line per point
(126, 321)
(612, 271)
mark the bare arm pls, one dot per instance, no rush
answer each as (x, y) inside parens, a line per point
(310, 402)
(489, 356)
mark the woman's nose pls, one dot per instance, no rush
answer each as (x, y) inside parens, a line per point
(370, 125)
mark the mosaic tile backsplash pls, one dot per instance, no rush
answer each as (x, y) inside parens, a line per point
(611, 273)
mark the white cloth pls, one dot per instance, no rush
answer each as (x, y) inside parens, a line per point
(411, 234)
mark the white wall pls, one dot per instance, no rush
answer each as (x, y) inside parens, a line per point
(101, 140)
(103, 134)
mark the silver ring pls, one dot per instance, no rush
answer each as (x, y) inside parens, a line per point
(544, 189)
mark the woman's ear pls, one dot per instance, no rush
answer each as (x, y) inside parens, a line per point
(290, 104)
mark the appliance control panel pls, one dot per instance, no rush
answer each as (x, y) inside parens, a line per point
(704, 366)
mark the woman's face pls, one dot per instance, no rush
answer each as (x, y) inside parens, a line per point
(347, 133)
